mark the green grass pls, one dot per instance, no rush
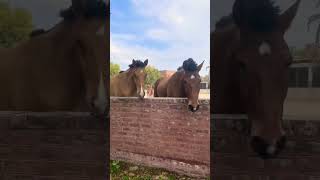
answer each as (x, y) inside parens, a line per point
(127, 171)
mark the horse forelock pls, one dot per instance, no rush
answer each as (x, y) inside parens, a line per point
(94, 9)
(260, 16)
(190, 65)
(137, 64)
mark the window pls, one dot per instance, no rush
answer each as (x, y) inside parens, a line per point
(298, 77)
(316, 76)
(203, 85)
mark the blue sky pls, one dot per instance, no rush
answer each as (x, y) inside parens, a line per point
(166, 32)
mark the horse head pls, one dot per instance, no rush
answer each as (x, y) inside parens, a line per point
(263, 58)
(137, 72)
(191, 82)
(87, 21)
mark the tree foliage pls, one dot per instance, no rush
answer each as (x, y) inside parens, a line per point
(114, 69)
(153, 75)
(15, 25)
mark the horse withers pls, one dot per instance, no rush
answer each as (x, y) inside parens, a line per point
(184, 83)
(251, 61)
(63, 69)
(130, 83)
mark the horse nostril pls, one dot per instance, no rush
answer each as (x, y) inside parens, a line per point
(262, 148)
(266, 150)
(281, 143)
(192, 109)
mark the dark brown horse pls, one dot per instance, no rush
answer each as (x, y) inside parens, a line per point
(184, 83)
(63, 69)
(130, 83)
(251, 61)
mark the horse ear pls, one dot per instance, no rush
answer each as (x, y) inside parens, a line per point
(133, 61)
(286, 18)
(200, 66)
(146, 62)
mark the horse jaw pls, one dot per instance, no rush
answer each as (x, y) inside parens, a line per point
(101, 100)
(101, 31)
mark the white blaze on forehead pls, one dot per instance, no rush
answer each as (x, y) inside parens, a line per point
(101, 101)
(264, 49)
(192, 76)
(101, 31)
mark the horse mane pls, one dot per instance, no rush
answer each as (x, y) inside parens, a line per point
(37, 32)
(260, 16)
(137, 64)
(189, 65)
(224, 21)
(93, 9)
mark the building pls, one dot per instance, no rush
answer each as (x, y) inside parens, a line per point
(304, 73)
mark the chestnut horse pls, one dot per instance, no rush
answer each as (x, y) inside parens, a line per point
(251, 61)
(63, 69)
(130, 83)
(184, 83)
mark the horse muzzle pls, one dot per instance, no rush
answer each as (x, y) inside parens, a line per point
(193, 109)
(141, 95)
(265, 150)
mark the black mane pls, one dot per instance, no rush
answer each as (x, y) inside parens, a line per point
(224, 21)
(258, 15)
(93, 9)
(137, 64)
(189, 65)
(37, 32)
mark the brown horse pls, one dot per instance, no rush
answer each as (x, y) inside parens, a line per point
(63, 69)
(184, 83)
(130, 83)
(251, 61)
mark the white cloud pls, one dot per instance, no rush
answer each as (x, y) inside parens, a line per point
(183, 24)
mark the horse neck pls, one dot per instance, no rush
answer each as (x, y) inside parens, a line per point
(226, 72)
(128, 80)
(177, 79)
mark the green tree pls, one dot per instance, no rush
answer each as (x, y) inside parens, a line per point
(153, 75)
(15, 25)
(114, 69)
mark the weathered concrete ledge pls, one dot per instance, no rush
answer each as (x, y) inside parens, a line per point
(158, 99)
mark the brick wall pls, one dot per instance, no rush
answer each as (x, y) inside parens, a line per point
(233, 159)
(161, 132)
(52, 146)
